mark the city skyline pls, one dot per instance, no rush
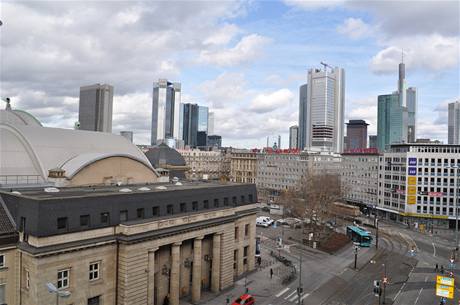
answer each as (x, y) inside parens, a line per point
(245, 65)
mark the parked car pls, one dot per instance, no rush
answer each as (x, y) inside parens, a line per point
(245, 299)
(292, 222)
(264, 221)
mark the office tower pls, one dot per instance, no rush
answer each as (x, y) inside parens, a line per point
(211, 123)
(294, 137)
(279, 142)
(165, 112)
(454, 123)
(190, 124)
(373, 141)
(215, 141)
(203, 118)
(95, 108)
(356, 134)
(345, 143)
(302, 115)
(411, 102)
(128, 135)
(321, 113)
(390, 121)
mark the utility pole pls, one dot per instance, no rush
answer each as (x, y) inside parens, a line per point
(377, 232)
(356, 255)
(300, 289)
(384, 281)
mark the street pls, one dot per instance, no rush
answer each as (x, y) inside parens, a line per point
(332, 280)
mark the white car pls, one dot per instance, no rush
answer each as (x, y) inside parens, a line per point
(264, 221)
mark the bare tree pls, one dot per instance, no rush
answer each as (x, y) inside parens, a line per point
(313, 200)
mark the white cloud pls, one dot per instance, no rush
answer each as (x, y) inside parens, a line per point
(313, 4)
(355, 28)
(248, 48)
(223, 35)
(433, 52)
(227, 88)
(363, 109)
(263, 103)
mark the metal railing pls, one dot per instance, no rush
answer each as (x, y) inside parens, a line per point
(20, 179)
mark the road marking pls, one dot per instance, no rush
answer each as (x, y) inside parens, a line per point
(290, 295)
(434, 249)
(282, 292)
(293, 298)
(426, 278)
(396, 296)
(416, 300)
(304, 296)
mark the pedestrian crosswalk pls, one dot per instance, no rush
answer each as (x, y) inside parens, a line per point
(290, 295)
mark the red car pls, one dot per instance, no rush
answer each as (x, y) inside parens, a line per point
(245, 299)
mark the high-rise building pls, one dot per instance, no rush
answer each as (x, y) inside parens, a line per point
(356, 134)
(303, 117)
(203, 119)
(95, 108)
(215, 141)
(390, 121)
(373, 141)
(211, 123)
(322, 112)
(165, 112)
(294, 136)
(190, 124)
(402, 113)
(454, 123)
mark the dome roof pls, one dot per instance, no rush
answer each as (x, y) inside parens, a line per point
(18, 117)
(162, 156)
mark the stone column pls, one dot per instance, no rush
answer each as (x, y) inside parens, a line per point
(215, 275)
(175, 272)
(252, 245)
(151, 277)
(196, 272)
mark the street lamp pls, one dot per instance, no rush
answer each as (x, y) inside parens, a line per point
(59, 293)
(385, 280)
(356, 255)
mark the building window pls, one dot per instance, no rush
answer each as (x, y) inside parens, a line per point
(155, 211)
(245, 251)
(94, 300)
(94, 271)
(250, 198)
(243, 200)
(62, 223)
(63, 278)
(27, 279)
(237, 231)
(195, 206)
(246, 229)
(2, 293)
(225, 201)
(183, 207)
(124, 215)
(206, 204)
(216, 203)
(234, 200)
(105, 218)
(84, 220)
(2, 261)
(140, 213)
(169, 209)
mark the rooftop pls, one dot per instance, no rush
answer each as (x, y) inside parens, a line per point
(72, 192)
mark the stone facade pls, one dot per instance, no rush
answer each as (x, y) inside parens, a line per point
(201, 163)
(243, 166)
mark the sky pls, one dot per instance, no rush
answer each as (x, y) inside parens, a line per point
(245, 60)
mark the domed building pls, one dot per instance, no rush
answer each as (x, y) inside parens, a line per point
(164, 158)
(31, 154)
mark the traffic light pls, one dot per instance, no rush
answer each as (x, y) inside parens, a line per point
(377, 288)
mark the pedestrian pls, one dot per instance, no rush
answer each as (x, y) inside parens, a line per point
(271, 273)
(436, 268)
(442, 269)
(259, 260)
(166, 300)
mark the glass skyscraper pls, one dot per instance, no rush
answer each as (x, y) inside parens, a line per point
(203, 119)
(165, 112)
(453, 130)
(190, 124)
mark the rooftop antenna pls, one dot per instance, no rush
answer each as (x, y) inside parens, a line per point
(326, 66)
(8, 103)
(402, 55)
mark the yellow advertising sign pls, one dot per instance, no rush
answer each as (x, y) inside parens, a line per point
(445, 291)
(445, 280)
(411, 190)
(412, 180)
(411, 199)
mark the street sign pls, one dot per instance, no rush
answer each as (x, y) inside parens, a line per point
(445, 286)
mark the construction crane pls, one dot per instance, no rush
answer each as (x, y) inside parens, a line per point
(326, 66)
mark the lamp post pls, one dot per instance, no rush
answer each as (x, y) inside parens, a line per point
(356, 255)
(59, 293)
(384, 280)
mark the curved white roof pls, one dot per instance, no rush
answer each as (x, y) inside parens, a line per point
(29, 150)
(18, 117)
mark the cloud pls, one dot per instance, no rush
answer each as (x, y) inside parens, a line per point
(227, 88)
(433, 52)
(313, 4)
(223, 35)
(363, 109)
(355, 28)
(247, 49)
(263, 103)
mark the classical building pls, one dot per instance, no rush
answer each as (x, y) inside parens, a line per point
(419, 183)
(125, 244)
(359, 176)
(243, 166)
(205, 164)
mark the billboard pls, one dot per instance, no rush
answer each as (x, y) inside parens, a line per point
(412, 171)
(412, 180)
(412, 161)
(411, 190)
(411, 199)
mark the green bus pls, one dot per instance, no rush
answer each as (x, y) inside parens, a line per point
(359, 236)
